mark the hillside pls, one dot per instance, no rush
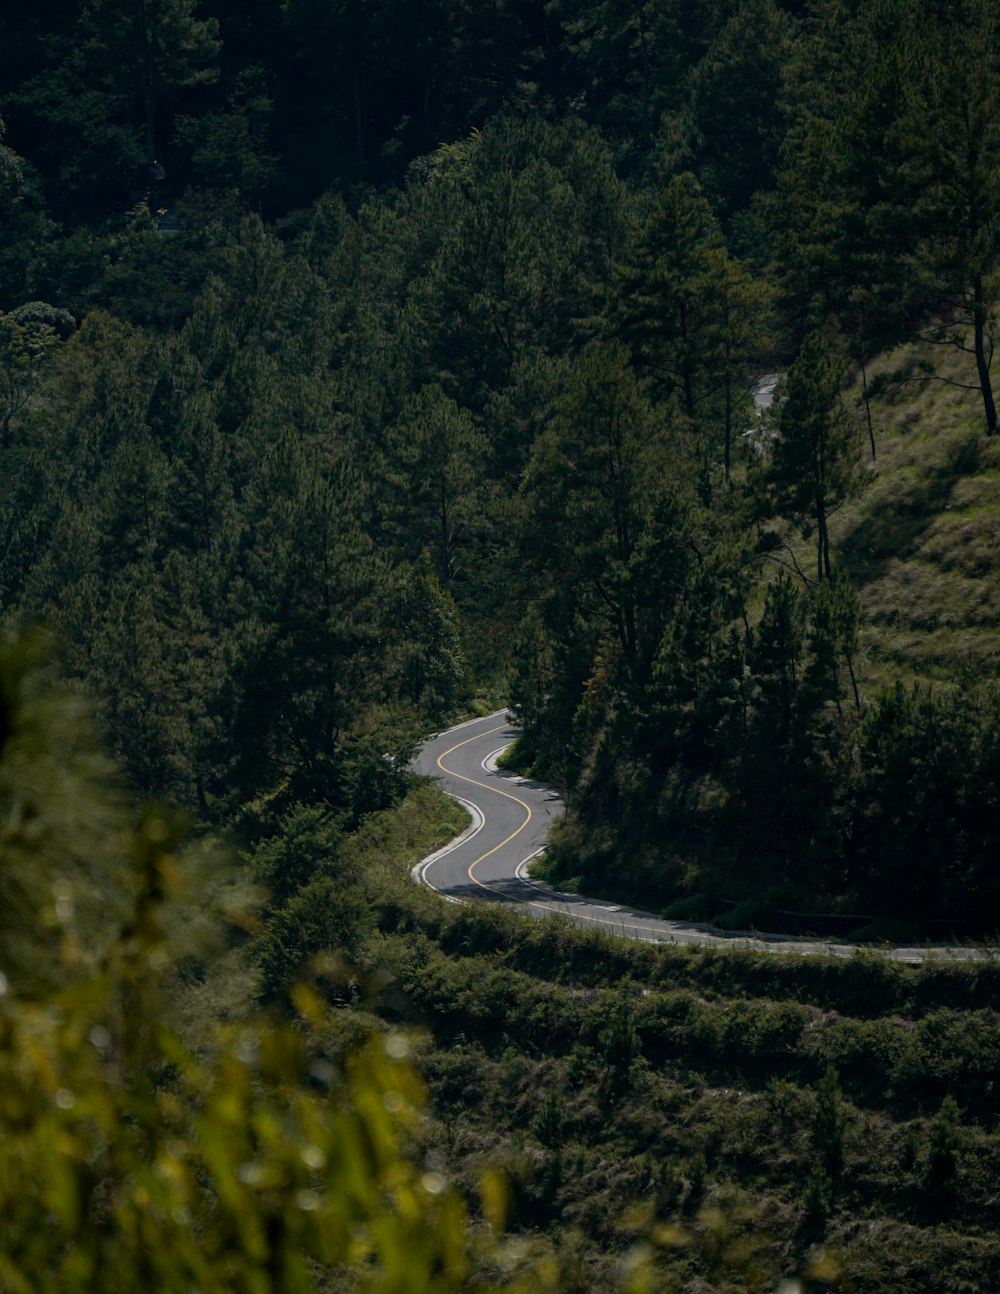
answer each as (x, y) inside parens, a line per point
(595, 1115)
(837, 731)
(921, 542)
(365, 365)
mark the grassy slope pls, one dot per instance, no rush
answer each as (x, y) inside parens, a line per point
(922, 541)
(611, 1079)
(609, 1076)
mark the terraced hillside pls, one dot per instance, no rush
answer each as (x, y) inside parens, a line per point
(922, 541)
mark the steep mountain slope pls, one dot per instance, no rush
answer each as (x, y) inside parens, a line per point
(922, 541)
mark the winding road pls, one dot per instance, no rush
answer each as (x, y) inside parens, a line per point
(510, 820)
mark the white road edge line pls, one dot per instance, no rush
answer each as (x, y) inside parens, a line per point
(489, 764)
(521, 871)
(553, 896)
(419, 871)
(468, 724)
(775, 943)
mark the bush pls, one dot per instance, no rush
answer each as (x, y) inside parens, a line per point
(325, 916)
(748, 915)
(695, 907)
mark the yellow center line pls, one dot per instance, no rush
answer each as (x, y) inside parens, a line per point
(485, 786)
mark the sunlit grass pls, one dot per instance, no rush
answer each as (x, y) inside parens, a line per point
(922, 539)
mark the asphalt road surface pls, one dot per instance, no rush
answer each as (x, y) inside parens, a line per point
(510, 815)
(510, 820)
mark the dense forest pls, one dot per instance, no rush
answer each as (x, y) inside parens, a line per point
(305, 412)
(362, 366)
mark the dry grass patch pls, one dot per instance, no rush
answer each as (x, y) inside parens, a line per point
(922, 540)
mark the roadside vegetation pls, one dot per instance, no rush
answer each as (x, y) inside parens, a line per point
(594, 1113)
(840, 711)
(360, 370)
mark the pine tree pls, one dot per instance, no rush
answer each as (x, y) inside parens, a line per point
(586, 499)
(29, 335)
(829, 1125)
(957, 121)
(693, 317)
(731, 127)
(425, 659)
(152, 46)
(815, 463)
(433, 491)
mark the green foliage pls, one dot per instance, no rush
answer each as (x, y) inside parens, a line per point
(828, 1126)
(618, 1044)
(521, 250)
(693, 317)
(124, 1158)
(22, 211)
(429, 663)
(227, 524)
(603, 541)
(28, 335)
(229, 147)
(237, 1119)
(815, 464)
(944, 1146)
(292, 495)
(435, 463)
(818, 1205)
(61, 870)
(733, 124)
(697, 1100)
(926, 795)
(303, 847)
(148, 49)
(632, 61)
(238, 1175)
(324, 916)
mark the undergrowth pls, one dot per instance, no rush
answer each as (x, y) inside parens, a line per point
(848, 1102)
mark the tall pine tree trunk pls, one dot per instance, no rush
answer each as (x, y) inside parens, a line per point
(728, 446)
(983, 359)
(823, 569)
(868, 407)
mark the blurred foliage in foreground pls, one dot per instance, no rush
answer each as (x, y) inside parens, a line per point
(127, 1161)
